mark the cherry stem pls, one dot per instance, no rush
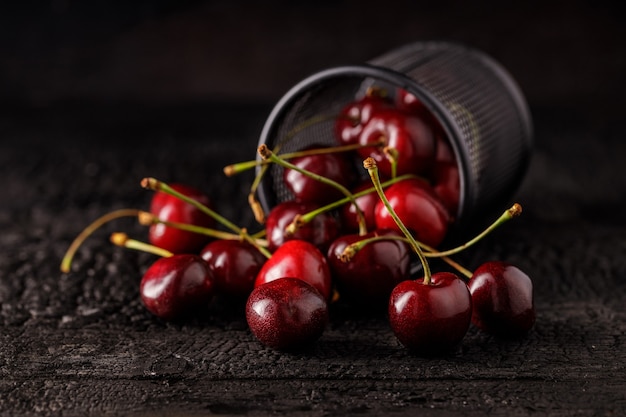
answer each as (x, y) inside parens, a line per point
(372, 169)
(66, 262)
(147, 219)
(392, 156)
(239, 167)
(122, 239)
(308, 217)
(268, 155)
(514, 211)
(156, 185)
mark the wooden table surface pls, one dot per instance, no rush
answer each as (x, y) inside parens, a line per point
(82, 344)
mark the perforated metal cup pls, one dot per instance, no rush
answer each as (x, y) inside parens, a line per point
(476, 101)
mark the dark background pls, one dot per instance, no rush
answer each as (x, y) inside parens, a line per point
(96, 95)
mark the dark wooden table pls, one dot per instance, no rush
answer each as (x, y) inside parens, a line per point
(82, 343)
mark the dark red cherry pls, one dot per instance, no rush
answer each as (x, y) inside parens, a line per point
(235, 265)
(174, 286)
(374, 270)
(503, 301)
(334, 166)
(410, 135)
(321, 231)
(447, 185)
(356, 114)
(298, 259)
(367, 203)
(286, 313)
(169, 208)
(418, 207)
(433, 318)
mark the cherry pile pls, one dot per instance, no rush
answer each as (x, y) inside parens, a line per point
(361, 213)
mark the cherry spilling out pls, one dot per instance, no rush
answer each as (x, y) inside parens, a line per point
(349, 235)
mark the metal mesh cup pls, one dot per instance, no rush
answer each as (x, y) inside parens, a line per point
(479, 105)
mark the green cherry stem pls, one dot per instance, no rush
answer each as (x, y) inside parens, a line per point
(268, 155)
(392, 156)
(372, 169)
(147, 219)
(122, 239)
(66, 262)
(156, 185)
(514, 211)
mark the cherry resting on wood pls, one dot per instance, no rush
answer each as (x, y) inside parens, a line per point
(431, 318)
(286, 313)
(502, 295)
(174, 286)
(172, 209)
(235, 265)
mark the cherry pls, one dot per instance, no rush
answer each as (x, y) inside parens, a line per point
(447, 185)
(172, 209)
(286, 313)
(333, 166)
(409, 135)
(235, 265)
(174, 286)
(320, 231)
(502, 295)
(420, 209)
(298, 259)
(431, 318)
(371, 274)
(356, 114)
(367, 203)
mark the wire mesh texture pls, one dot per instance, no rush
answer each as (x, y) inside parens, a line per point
(476, 101)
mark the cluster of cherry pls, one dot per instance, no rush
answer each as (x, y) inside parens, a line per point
(343, 237)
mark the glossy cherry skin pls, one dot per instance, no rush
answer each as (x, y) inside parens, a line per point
(447, 185)
(334, 166)
(174, 286)
(321, 231)
(367, 203)
(298, 259)
(419, 208)
(410, 135)
(234, 264)
(356, 114)
(172, 209)
(286, 313)
(503, 300)
(431, 319)
(374, 270)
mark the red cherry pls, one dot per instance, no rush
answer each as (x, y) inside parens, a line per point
(447, 185)
(502, 295)
(356, 114)
(367, 203)
(373, 271)
(174, 286)
(235, 265)
(286, 313)
(298, 259)
(418, 207)
(321, 231)
(334, 166)
(410, 135)
(431, 318)
(170, 208)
